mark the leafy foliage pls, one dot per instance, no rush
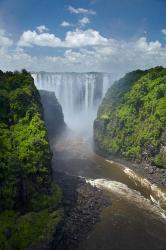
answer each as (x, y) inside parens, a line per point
(134, 116)
(29, 230)
(25, 163)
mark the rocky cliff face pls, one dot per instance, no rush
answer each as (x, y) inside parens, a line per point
(131, 120)
(53, 114)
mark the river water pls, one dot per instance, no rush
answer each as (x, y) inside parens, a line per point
(136, 218)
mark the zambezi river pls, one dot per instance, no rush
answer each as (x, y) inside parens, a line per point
(136, 218)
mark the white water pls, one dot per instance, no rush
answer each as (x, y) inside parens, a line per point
(123, 191)
(158, 197)
(79, 94)
(135, 219)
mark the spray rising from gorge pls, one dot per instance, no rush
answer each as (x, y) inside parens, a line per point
(80, 95)
(135, 202)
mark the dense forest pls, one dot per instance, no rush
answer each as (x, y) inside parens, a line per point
(131, 123)
(29, 201)
(131, 120)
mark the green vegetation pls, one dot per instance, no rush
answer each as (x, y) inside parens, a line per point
(29, 230)
(132, 117)
(29, 201)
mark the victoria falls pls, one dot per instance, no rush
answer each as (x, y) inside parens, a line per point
(82, 125)
(131, 204)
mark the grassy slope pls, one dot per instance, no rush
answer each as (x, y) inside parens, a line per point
(132, 117)
(29, 201)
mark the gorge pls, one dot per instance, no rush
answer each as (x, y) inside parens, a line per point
(137, 206)
(75, 196)
(82, 125)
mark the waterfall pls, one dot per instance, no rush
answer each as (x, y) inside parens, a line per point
(80, 95)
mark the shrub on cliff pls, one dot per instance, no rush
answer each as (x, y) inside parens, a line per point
(27, 194)
(134, 117)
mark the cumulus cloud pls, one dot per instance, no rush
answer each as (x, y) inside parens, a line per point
(83, 38)
(66, 24)
(30, 38)
(77, 38)
(5, 40)
(14, 59)
(81, 11)
(163, 31)
(102, 54)
(117, 57)
(84, 21)
(42, 28)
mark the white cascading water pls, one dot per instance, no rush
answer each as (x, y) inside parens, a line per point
(159, 197)
(79, 94)
(132, 195)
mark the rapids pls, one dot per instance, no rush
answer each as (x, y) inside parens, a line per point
(137, 217)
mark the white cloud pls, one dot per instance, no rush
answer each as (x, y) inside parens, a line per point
(80, 38)
(30, 38)
(5, 41)
(150, 47)
(15, 59)
(84, 21)
(163, 31)
(115, 56)
(42, 28)
(77, 38)
(66, 24)
(81, 11)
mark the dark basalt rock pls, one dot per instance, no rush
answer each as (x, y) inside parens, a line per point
(83, 205)
(53, 114)
(8, 233)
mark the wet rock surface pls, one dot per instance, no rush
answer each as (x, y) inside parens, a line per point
(154, 174)
(83, 205)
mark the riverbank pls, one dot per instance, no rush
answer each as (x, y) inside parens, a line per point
(83, 205)
(96, 226)
(152, 173)
(155, 175)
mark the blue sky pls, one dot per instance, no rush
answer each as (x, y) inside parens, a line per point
(82, 35)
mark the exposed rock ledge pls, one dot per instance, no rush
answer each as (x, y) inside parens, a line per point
(83, 205)
(152, 173)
